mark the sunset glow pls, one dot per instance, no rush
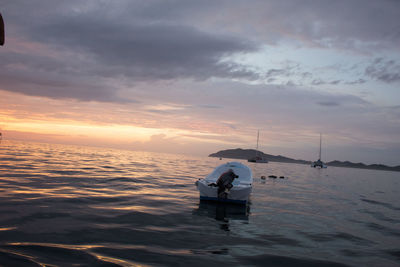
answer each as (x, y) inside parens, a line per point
(192, 82)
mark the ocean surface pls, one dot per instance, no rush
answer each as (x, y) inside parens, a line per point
(69, 205)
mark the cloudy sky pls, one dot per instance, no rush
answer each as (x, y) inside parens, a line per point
(196, 77)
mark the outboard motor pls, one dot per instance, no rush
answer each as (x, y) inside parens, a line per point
(224, 183)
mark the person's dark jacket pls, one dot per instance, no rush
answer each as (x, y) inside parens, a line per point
(225, 182)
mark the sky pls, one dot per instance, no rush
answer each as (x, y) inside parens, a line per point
(196, 77)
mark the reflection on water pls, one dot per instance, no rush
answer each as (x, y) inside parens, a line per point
(223, 212)
(67, 205)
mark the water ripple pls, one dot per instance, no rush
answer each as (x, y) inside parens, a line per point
(69, 205)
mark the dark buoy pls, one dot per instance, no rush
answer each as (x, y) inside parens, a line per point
(262, 177)
(281, 177)
(1, 30)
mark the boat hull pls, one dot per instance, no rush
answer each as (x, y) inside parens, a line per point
(238, 194)
(258, 160)
(318, 164)
(235, 201)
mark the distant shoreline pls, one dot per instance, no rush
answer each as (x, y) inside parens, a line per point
(245, 154)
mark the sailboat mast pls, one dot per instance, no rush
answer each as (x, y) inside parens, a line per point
(258, 135)
(320, 142)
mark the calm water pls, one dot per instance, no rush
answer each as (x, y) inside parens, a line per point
(65, 205)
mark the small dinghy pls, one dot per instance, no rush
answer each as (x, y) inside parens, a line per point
(230, 182)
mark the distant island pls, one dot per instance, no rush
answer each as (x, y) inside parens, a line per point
(245, 154)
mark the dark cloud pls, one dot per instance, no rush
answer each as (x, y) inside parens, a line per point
(337, 82)
(100, 45)
(387, 71)
(359, 24)
(306, 75)
(290, 70)
(277, 72)
(322, 82)
(358, 81)
(146, 50)
(94, 47)
(328, 103)
(318, 82)
(356, 24)
(39, 75)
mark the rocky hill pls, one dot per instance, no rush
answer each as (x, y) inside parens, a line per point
(360, 165)
(246, 154)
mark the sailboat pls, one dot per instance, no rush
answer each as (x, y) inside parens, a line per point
(257, 158)
(319, 163)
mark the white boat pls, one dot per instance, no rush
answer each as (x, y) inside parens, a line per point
(258, 158)
(319, 163)
(241, 186)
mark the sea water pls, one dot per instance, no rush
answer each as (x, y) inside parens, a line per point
(65, 205)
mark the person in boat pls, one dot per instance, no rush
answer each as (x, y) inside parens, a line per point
(224, 182)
